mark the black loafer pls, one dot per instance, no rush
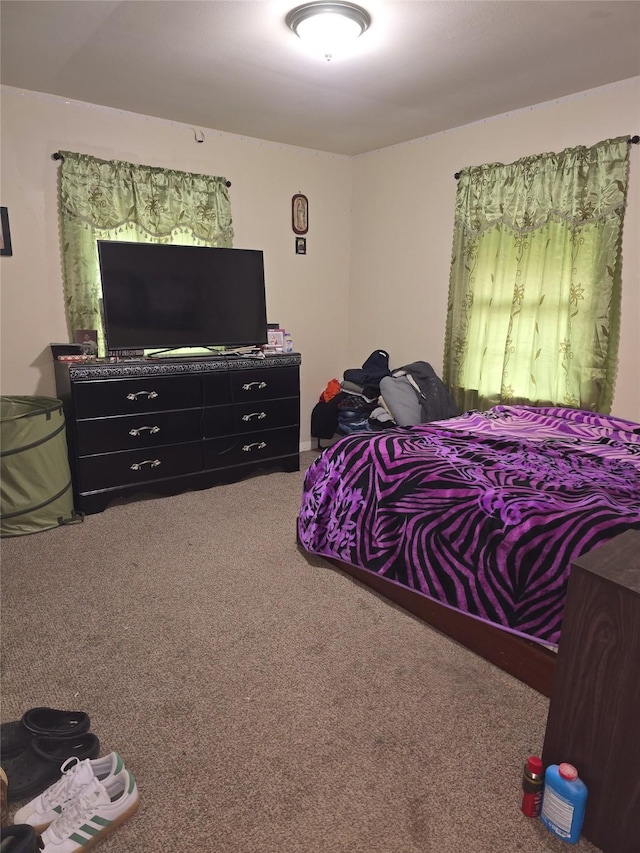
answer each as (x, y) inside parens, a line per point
(20, 838)
(39, 765)
(40, 722)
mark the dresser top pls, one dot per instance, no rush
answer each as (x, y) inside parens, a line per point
(125, 369)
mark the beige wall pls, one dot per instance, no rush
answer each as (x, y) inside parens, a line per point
(403, 203)
(379, 243)
(305, 294)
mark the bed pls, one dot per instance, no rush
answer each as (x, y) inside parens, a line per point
(472, 523)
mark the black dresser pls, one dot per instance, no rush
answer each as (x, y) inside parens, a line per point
(164, 426)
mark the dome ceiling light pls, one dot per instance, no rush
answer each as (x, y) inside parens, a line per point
(328, 27)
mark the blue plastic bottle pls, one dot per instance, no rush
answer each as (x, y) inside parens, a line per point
(563, 802)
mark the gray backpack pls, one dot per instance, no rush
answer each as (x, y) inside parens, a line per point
(414, 394)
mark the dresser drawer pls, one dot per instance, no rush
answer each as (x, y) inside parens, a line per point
(132, 396)
(269, 414)
(128, 432)
(249, 417)
(136, 467)
(216, 388)
(252, 447)
(264, 383)
(218, 420)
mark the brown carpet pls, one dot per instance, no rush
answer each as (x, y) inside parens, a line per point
(265, 702)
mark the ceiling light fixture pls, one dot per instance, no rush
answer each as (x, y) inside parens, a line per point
(328, 27)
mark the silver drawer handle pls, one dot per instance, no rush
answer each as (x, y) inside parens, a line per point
(137, 430)
(258, 445)
(259, 415)
(249, 385)
(151, 395)
(138, 465)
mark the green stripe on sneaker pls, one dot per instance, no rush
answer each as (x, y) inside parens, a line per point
(132, 783)
(119, 764)
(89, 830)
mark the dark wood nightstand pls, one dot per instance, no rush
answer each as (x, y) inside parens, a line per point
(594, 713)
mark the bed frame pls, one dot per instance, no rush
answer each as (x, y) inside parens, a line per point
(530, 662)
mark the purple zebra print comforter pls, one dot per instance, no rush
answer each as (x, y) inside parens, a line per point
(484, 512)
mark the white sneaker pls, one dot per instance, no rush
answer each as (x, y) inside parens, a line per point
(44, 809)
(92, 815)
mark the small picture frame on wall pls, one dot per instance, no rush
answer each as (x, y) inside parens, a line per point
(300, 214)
(5, 234)
(301, 246)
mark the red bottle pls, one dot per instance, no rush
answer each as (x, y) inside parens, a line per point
(532, 785)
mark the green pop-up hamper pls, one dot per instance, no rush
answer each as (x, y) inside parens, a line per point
(35, 480)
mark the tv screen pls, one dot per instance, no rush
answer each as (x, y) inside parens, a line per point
(162, 296)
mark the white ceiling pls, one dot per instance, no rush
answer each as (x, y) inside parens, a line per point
(423, 66)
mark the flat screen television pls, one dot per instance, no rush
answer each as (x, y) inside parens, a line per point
(159, 296)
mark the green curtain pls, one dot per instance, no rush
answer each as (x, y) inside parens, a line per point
(534, 292)
(115, 200)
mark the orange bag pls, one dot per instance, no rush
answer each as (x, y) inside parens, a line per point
(332, 390)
